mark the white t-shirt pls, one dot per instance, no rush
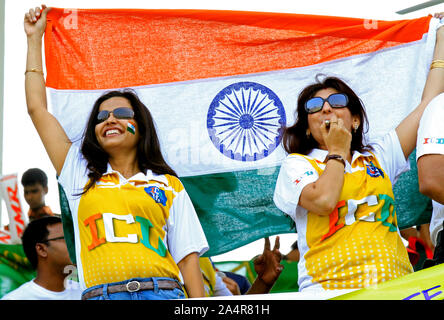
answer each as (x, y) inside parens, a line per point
(431, 141)
(32, 291)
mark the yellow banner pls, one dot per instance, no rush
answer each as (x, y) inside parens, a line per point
(427, 284)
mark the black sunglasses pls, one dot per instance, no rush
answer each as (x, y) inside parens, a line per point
(53, 239)
(336, 100)
(118, 113)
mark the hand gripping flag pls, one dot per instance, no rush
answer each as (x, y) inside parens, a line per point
(220, 86)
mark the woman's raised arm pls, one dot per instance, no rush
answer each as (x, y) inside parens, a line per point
(54, 138)
(408, 128)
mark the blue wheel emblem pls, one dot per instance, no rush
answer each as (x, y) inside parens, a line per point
(245, 121)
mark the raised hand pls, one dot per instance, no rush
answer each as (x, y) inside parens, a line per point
(267, 265)
(336, 137)
(35, 21)
(231, 285)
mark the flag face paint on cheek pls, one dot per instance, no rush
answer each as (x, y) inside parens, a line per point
(131, 127)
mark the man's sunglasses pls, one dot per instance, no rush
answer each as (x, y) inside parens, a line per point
(336, 100)
(53, 239)
(118, 113)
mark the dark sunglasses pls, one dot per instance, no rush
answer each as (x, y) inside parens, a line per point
(118, 113)
(53, 239)
(336, 100)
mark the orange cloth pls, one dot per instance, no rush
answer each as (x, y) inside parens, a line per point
(182, 45)
(45, 210)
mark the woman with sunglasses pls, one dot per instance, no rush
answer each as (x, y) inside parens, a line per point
(338, 189)
(136, 233)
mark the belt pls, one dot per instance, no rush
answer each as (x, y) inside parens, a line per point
(133, 286)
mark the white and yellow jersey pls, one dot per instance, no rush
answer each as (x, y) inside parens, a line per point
(358, 244)
(127, 228)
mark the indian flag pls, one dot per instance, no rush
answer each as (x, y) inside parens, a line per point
(220, 86)
(131, 127)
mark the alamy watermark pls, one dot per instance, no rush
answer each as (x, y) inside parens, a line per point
(71, 280)
(71, 21)
(370, 24)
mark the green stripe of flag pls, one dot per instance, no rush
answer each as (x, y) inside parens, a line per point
(236, 208)
(412, 207)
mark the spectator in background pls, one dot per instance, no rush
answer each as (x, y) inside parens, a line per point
(288, 279)
(35, 185)
(213, 284)
(45, 247)
(420, 246)
(236, 283)
(293, 254)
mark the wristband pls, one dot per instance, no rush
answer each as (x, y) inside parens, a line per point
(335, 157)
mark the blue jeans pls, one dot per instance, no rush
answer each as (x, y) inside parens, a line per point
(155, 294)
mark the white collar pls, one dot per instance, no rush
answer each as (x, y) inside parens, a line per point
(138, 176)
(320, 155)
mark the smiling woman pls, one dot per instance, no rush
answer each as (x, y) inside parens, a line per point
(121, 131)
(131, 202)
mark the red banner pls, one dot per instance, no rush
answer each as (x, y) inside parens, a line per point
(17, 218)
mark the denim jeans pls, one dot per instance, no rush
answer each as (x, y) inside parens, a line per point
(155, 294)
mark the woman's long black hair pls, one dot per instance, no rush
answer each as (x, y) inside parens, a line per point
(295, 139)
(149, 155)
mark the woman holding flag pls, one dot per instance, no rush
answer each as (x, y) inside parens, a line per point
(137, 235)
(338, 189)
